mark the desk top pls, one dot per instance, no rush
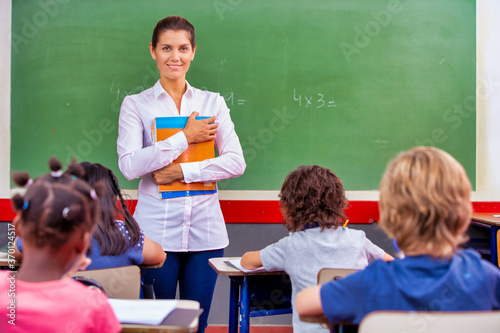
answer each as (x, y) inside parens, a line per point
(221, 268)
(5, 262)
(487, 218)
(188, 328)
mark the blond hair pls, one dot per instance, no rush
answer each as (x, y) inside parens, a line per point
(424, 202)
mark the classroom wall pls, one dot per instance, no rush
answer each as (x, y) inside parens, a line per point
(5, 33)
(488, 101)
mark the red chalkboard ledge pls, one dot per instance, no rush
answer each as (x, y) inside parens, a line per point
(267, 211)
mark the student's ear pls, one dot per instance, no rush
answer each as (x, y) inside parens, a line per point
(84, 242)
(152, 51)
(194, 51)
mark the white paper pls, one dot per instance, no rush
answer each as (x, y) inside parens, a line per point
(237, 263)
(142, 311)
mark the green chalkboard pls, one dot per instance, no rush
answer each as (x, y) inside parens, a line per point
(343, 84)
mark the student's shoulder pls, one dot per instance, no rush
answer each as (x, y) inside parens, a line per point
(83, 293)
(473, 259)
(353, 234)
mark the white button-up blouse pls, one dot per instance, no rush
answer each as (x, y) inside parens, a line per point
(192, 223)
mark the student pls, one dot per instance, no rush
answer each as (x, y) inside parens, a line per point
(117, 243)
(312, 200)
(55, 218)
(425, 208)
(114, 243)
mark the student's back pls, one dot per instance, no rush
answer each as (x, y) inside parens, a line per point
(304, 253)
(63, 305)
(464, 282)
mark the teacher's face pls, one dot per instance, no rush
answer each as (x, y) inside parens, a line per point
(173, 54)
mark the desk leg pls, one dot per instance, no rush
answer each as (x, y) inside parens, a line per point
(245, 307)
(493, 246)
(234, 293)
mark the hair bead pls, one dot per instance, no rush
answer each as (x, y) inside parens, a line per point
(26, 204)
(56, 174)
(93, 195)
(65, 212)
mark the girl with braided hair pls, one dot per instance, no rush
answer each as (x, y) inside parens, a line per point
(115, 242)
(55, 218)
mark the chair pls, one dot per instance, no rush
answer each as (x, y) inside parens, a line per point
(325, 275)
(430, 322)
(119, 282)
(328, 274)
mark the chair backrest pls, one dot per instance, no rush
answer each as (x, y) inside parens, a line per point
(430, 322)
(328, 274)
(119, 282)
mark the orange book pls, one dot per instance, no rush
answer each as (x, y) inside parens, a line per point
(165, 127)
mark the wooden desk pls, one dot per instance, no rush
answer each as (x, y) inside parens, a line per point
(490, 245)
(254, 294)
(6, 264)
(172, 324)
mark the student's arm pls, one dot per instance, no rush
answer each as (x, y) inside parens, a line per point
(308, 302)
(251, 260)
(152, 252)
(387, 257)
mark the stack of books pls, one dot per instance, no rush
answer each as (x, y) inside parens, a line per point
(165, 127)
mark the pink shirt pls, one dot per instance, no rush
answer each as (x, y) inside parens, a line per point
(53, 306)
(179, 224)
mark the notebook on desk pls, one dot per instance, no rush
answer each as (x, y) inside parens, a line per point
(181, 317)
(153, 312)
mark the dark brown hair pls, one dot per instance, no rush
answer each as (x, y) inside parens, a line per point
(312, 195)
(107, 232)
(175, 23)
(55, 205)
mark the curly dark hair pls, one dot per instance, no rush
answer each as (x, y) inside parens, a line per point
(312, 195)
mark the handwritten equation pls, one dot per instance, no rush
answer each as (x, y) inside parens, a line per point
(314, 101)
(231, 100)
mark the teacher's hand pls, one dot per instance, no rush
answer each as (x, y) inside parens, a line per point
(167, 174)
(200, 130)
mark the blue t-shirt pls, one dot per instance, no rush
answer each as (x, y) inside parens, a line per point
(419, 283)
(133, 255)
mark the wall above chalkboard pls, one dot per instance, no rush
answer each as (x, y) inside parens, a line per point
(343, 84)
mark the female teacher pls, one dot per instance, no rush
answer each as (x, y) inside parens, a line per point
(190, 229)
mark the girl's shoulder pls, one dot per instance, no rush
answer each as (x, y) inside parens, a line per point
(120, 224)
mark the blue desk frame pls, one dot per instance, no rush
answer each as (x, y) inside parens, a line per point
(254, 294)
(488, 246)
